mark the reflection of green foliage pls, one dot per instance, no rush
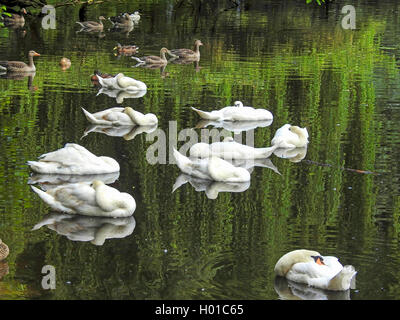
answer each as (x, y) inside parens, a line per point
(318, 1)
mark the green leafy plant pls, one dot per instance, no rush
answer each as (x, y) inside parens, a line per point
(3, 12)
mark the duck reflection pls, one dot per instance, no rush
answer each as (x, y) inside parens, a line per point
(183, 61)
(126, 132)
(4, 269)
(289, 290)
(120, 95)
(293, 155)
(51, 181)
(211, 188)
(95, 199)
(82, 228)
(234, 126)
(20, 76)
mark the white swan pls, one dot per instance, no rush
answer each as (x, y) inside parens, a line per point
(73, 159)
(121, 82)
(309, 267)
(121, 117)
(51, 181)
(289, 136)
(236, 127)
(96, 199)
(236, 113)
(82, 228)
(211, 168)
(228, 149)
(120, 95)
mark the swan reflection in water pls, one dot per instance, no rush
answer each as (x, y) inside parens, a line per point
(234, 126)
(51, 181)
(120, 95)
(126, 132)
(211, 188)
(82, 228)
(293, 155)
(289, 290)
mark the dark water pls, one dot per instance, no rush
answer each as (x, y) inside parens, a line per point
(293, 59)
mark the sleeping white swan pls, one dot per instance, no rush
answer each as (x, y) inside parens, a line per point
(96, 199)
(121, 117)
(121, 82)
(211, 168)
(309, 267)
(228, 149)
(236, 113)
(289, 136)
(73, 159)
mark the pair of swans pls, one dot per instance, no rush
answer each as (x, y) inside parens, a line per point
(121, 82)
(310, 268)
(286, 137)
(87, 197)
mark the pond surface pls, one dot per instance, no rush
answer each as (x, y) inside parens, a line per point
(185, 240)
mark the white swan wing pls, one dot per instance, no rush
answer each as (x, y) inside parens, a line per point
(245, 114)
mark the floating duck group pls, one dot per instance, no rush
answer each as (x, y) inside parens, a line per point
(210, 166)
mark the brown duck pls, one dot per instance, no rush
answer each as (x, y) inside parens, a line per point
(19, 66)
(126, 50)
(188, 53)
(16, 19)
(92, 25)
(4, 251)
(158, 60)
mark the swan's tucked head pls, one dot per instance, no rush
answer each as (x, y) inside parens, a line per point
(286, 262)
(96, 184)
(119, 76)
(302, 132)
(200, 150)
(222, 170)
(151, 118)
(238, 104)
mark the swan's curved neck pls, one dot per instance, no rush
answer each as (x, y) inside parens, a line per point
(136, 117)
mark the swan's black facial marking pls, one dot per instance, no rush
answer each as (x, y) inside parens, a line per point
(318, 260)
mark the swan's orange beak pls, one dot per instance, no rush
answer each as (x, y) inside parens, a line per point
(320, 262)
(36, 54)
